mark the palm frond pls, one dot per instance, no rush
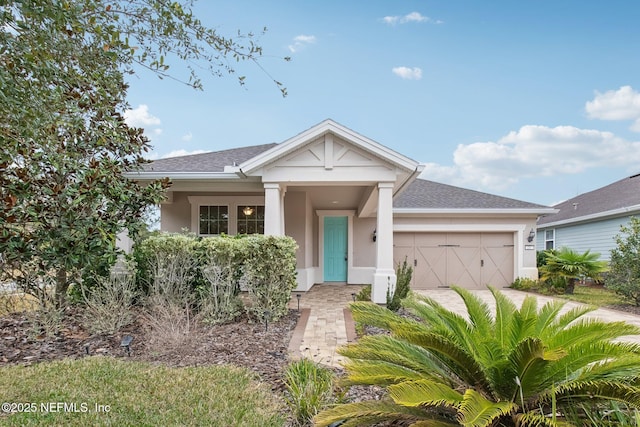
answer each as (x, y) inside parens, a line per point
(523, 324)
(372, 314)
(532, 419)
(530, 360)
(367, 413)
(547, 316)
(395, 351)
(443, 321)
(590, 330)
(623, 369)
(456, 358)
(505, 308)
(480, 316)
(424, 393)
(592, 391)
(477, 411)
(380, 372)
(434, 423)
(562, 321)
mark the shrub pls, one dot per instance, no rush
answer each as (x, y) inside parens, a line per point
(166, 264)
(404, 272)
(220, 264)
(525, 284)
(269, 275)
(569, 266)
(508, 366)
(109, 302)
(624, 275)
(169, 269)
(309, 389)
(364, 294)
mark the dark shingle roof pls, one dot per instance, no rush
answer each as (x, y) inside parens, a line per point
(207, 162)
(620, 194)
(432, 195)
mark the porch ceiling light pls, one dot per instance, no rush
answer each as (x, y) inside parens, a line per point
(247, 211)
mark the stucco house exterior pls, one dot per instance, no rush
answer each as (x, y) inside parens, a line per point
(355, 208)
(590, 221)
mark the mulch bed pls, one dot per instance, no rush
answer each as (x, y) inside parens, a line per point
(242, 343)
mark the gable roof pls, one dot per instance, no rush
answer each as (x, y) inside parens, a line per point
(214, 161)
(620, 198)
(422, 194)
(322, 128)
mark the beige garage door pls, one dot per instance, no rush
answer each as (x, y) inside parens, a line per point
(469, 260)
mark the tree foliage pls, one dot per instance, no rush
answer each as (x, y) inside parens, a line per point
(624, 274)
(508, 367)
(64, 145)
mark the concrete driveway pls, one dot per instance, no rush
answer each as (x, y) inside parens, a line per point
(452, 301)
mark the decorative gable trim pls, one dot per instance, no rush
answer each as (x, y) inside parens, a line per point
(329, 129)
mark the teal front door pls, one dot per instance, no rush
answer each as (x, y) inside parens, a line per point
(335, 249)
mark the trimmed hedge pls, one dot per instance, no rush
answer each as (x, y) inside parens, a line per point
(265, 266)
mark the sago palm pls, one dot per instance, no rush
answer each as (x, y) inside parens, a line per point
(514, 367)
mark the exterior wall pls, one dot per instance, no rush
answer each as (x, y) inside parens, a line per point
(176, 216)
(596, 236)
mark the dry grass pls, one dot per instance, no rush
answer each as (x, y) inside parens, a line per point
(17, 302)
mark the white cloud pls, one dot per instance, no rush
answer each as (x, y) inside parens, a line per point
(409, 17)
(534, 151)
(408, 73)
(140, 117)
(182, 152)
(621, 104)
(300, 42)
(187, 137)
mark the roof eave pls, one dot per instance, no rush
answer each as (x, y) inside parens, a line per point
(476, 211)
(627, 210)
(183, 176)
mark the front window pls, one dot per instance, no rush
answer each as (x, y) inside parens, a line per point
(251, 219)
(550, 239)
(214, 220)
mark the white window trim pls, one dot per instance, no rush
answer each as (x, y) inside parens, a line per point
(232, 203)
(553, 239)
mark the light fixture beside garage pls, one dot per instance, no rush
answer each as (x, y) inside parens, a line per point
(532, 235)
(374, 237)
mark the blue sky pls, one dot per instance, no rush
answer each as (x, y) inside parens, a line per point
(535, 100)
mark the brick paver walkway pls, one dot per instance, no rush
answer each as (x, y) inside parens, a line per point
(326, 328)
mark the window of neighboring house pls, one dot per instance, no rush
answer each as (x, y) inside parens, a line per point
(550, 239)
(250, 219)
(213, 220)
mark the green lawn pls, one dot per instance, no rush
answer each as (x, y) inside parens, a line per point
(595, 296)
(106, 391)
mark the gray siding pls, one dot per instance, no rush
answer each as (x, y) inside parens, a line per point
(594, 236)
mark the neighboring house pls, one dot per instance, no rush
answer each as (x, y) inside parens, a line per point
(591, 220)
(355, 208)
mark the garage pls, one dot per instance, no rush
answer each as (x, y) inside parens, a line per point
(467, 259)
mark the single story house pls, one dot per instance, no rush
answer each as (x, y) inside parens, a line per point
(355, 207)
(591, 220)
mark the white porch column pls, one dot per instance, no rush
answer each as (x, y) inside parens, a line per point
(385, 276)
(273, 210)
